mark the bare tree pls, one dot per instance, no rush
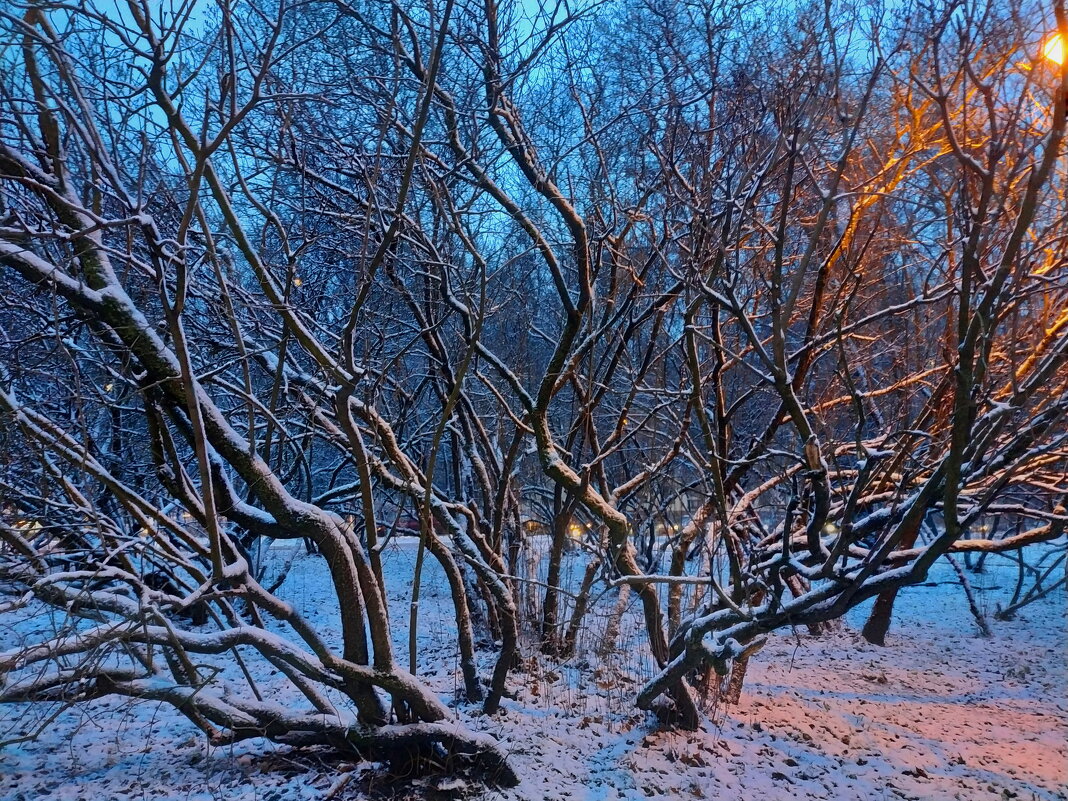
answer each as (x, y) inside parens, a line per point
(740, 303)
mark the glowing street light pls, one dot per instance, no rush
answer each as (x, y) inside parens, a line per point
(1053, 49)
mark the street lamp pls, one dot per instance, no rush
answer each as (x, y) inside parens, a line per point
(1053, 49)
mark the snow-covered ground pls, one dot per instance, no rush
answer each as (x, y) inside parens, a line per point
(937, 714)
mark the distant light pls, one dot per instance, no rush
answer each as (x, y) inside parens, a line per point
(830, 528)
(108, 387)
(1053, 49)
(297, 281)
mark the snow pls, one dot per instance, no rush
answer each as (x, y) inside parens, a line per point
(937, 714)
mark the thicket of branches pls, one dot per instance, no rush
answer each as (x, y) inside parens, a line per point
(307, 270)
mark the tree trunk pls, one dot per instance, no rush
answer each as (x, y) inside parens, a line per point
(878, 624)
(550, 637)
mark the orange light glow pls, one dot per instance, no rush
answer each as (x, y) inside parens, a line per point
(1053, 49)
